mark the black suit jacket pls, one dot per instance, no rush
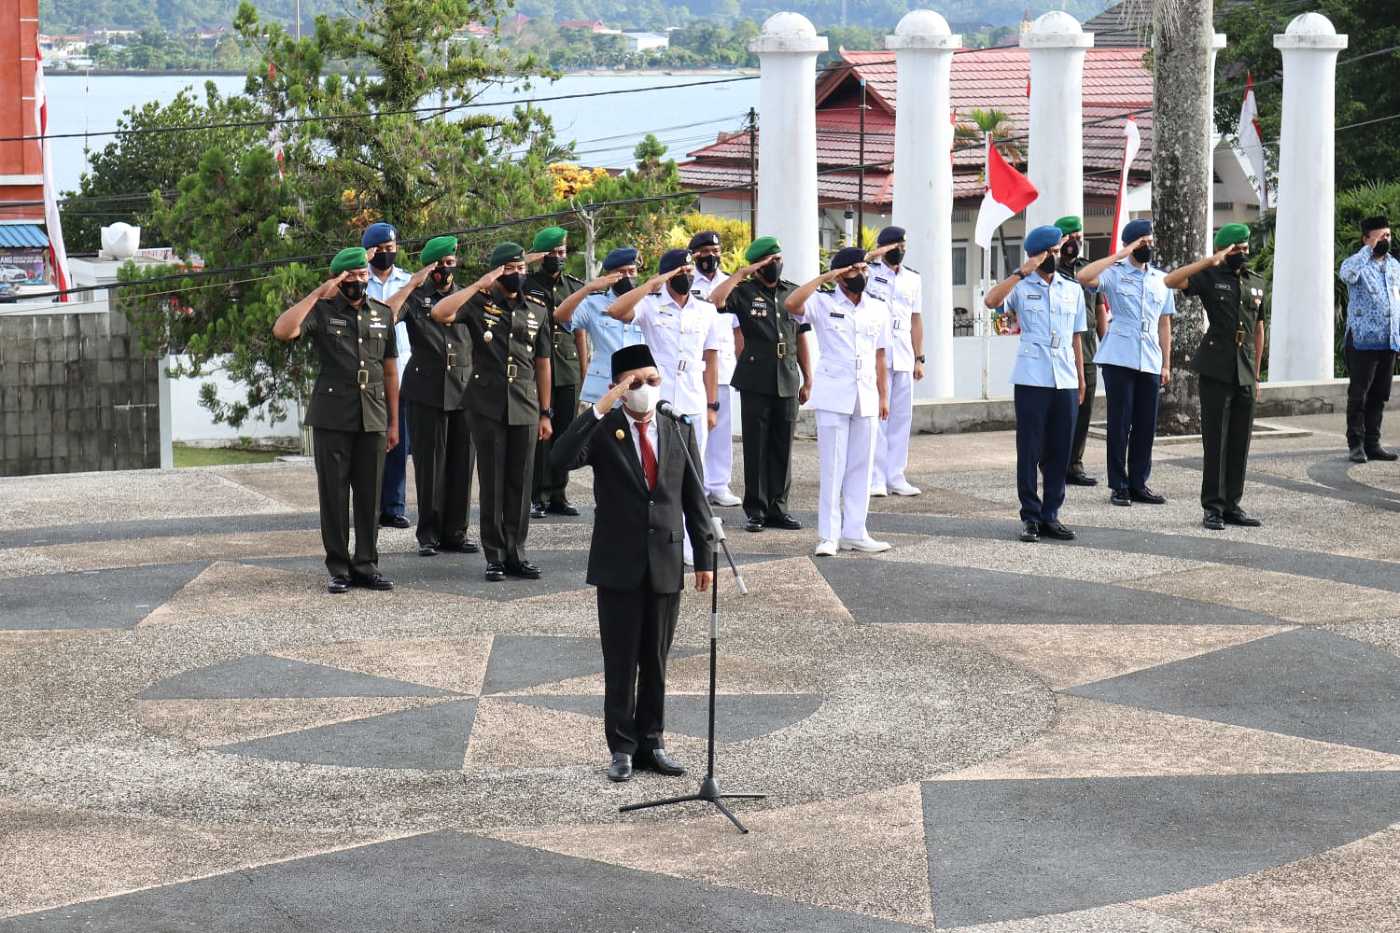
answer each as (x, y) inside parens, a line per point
(637, 532)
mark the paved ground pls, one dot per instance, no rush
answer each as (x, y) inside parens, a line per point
(1156, 728)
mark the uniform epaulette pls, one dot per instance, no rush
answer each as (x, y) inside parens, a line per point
(827, 289)
(786, 283)
(910, 269)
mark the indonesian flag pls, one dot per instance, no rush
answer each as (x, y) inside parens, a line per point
(1008, 193)
(58, 256)
(1132, 141)
(1251, 142)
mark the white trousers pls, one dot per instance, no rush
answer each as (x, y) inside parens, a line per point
(719, 456)
(702, 431)
(846, 446)
(892, 448)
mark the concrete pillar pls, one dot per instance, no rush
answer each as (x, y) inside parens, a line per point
(1057, 44)
(1300, 336)
(787, 50)
(923, 180)
(1216, 44)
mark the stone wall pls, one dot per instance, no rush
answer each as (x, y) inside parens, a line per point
(75, 394)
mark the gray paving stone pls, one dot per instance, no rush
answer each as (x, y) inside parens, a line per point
(91, 600)
(519, 662)
(266, 677)
(738, 718)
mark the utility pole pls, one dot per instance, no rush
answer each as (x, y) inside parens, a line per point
(860, 177)
(753, 174)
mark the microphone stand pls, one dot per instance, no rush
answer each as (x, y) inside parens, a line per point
(709, 791)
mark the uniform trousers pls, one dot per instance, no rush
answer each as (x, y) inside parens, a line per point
(549, 483)
(1083, 417)
(442, 473)
(1227, 417)
(719, 456)
(1044, 432)
(349, 462)
(1132, 424)
(636, 628)
(394, 489)
(768, 424)
(505, 460)
(846, 449)
(1372, 372)
(892, 446)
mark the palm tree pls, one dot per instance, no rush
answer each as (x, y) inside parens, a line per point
(995, 125)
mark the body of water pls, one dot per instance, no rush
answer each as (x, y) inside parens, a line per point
(683, 114)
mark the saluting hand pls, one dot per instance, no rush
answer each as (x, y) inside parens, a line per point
(1218, 257)
(1128, 250)
(489, 279)
(603, 281)
(532, 258)
(753, 267)
(330, 286)
(611, 398)
(703, 579)
(879, 251)
(1032, 263)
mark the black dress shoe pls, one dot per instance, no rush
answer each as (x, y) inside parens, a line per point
(1147, 495)
(754, 524)
(1030, 532)
(1080, 478)
(1213, 522)
(621, 767)
(782, 520)
(375, 582)
(537, 510)
(1238, 517)
(659, 761)
(523, 569)
(1056, 530)
(1358, 455)
(427, 550)
(392, 521)
(561, 507)
(1380, 453)
(1120, 497)
(495, 571)
(338, 585)
(465, 546)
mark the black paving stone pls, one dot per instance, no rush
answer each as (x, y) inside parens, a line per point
(161, 528)
(519, 662)
(94, 599)
(262, 677)
(1009, 850)
(738, 717)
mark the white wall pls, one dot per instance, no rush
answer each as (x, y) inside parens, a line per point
(968, 356)
(192, 424)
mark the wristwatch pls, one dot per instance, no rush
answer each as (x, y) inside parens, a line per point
(713, 406)
(919, 359)
(1019, 274)
(547, 413)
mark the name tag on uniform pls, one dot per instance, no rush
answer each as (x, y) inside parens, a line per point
(336, 322)
(882, 281)
(838, 316)
(377, 327)
(1033, 296)
(1054, 341)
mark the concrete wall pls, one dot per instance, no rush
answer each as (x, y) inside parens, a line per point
(192, 424)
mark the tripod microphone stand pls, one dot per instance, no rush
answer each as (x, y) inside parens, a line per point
(709, 791)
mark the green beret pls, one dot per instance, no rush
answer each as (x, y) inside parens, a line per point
(438, 247)
(506, 252)
(1070, 224)
(763, 246)
(352, 257)
(1230, 234)
(549, 238)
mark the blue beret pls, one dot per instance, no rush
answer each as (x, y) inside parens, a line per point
(889, 235)
(1042, 238)
(622, 256)
(704, 238)
(1135, 229)
(673, 259)
(378, 233)
(847, 256)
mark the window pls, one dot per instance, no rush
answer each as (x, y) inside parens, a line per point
(959, 265)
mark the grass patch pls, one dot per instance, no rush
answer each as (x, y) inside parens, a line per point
(219, 456)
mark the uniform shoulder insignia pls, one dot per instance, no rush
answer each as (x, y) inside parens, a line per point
(376, 304)
(535, 299)
(910, 269)
(827, 289)
(784, 283)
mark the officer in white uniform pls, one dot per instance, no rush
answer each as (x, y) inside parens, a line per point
(902, 291)
(719, 456)
(849, 394)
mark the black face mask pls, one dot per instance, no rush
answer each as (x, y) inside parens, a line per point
(1143, 254)
(1047, 265)
(1381, 248)
(510, 282)
(772, 272)
(894, 257)
(551, 264)
(623, 285)
(707, 264)
(382, 260)
(680, 284)
(1069, 252)
(855, 284)
(441, 276)
(1236, 261)
(353, 290)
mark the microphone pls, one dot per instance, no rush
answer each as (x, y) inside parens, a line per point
(667, 410)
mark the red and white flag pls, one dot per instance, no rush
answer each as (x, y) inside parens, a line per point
(58, 256)
(1132, 141)
(1008, 193)
(1251, 142)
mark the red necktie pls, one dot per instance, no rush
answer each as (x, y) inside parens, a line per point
(648, 455)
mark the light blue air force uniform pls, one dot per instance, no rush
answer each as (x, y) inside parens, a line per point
(1138, 298)
(1050, 313)
(608, 336)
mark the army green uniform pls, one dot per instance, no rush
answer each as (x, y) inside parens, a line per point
(435, 387)
(508, 335)
(768, 377)
(1225, 362)
(349, 417)
(549, 484)
(1089, 342)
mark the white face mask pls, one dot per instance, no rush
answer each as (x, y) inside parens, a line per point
(642, 400)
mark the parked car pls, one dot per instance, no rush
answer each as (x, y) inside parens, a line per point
(8, 293)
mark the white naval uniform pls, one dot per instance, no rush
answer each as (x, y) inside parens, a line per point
(902, 291)
(719, 456)
(847, 404)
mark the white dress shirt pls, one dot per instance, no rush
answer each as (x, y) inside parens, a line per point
(678, 337)
(383, 290)
(902, 291)
(848, 336)
(650, 427)
(701, 287)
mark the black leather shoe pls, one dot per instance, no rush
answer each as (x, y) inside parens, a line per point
(1240, 518)
(1080, 478)
(523, 569)
(427, 550)
(1358, 455)
(1056, 530)
(495, 571)
(1030, 532)
(1120, 497)
(659, 761)
(1380, 453)
(1147, 495)
(754, 524)
(338, 585)
(561, 507)
(1213, 522)
(465, 546)
(392, 521)
(375, 582)
(782, 520)
(537, 510)
(621, 767)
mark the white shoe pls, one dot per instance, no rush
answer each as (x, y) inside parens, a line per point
(725, 499)
(904, 489)
(825, 549)
(878, 492)
(867, 544)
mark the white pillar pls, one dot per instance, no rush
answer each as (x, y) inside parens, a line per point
(923, 181)
(787, 52)
(1057, 45)
(1300, 336)
(1216, 44)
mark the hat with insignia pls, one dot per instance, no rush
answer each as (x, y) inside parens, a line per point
(636, 356)
(437, 248)
(1374, 223)
(702, 239)
(376, 234)
(1042, 238)
(622, 256)
(352, 257)
(1230, 234)
(549, 238)
(762, 247)
(1136, 229)
(1070, 223)
(847, 256)
(889, 235)
(506, 252)
(673, 259)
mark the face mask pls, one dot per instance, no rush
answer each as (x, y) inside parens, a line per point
(551, 264)
(1047, 265)
(623, 285)
(1381, 248)
(441, 276)
(383, 260)
(1143, 254)
(510, 282)
(680, 284)
(642, 400)
(855, 284)
(1069, 251)
(707, 264)
(1236, 261)
(772, 272)
(894, 257)
(352, 289)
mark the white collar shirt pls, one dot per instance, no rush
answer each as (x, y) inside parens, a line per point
(383, 290)
(701, 287)
(849, 335)
(902, 291)
(678, 337)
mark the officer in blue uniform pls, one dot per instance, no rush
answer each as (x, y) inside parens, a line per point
(587, 310)
(1372, 277)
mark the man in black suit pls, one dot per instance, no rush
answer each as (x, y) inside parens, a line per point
(643, 486)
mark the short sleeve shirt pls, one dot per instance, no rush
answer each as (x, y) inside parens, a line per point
(608, 335)
(1050, 314)
(383, 291)
(1138, 298)
(902, 291)
(849, 335)
(678, 337)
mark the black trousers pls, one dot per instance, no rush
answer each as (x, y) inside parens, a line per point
(442, 473)
(768, 424)
(349, 462)
(1132, 424)
(549, 483)
(1044, 431)
(1085, 414)
(1372, 372)
(1227, 417)
(636, 628)
(505, 459)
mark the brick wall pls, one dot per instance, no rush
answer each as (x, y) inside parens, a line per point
(75, 395)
